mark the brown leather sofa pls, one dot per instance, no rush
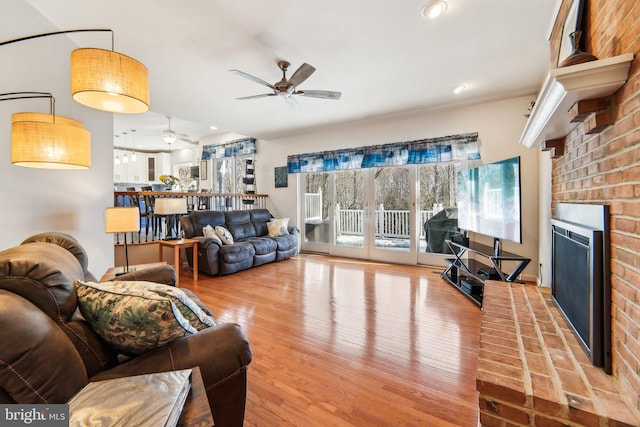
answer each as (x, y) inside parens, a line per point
(48, 352)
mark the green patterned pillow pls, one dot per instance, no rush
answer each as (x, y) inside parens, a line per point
(135, 317)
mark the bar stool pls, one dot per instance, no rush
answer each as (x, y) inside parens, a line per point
(141, 203)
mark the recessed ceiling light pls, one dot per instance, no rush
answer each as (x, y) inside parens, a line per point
(458, 89)
(212, 127)
(434, 9)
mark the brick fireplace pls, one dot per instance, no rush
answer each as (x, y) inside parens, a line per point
(604, 168)
(532, 370)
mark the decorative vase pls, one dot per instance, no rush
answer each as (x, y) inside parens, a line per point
(577, 55)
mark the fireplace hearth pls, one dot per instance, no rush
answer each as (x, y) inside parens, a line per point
(532, 370)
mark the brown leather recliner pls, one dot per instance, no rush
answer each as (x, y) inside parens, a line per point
(48, 352)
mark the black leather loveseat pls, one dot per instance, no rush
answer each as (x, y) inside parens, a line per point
(252, 244)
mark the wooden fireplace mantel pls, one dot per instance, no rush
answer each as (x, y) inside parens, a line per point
(565, 86)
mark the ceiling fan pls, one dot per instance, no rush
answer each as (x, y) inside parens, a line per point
(170, 136)
(287, 88)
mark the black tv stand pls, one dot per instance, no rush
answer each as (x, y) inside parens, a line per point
(468, 274)
(489, 273)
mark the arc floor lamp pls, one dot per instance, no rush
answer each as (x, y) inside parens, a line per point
(102, 79)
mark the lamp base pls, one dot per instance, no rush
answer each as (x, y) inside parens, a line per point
(120, 273)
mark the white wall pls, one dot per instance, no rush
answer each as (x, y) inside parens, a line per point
(499, 125)
(185, 156)
(38, 200)
(544, 218)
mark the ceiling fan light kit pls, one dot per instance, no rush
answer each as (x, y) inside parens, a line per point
(286, 88)
(170, 136)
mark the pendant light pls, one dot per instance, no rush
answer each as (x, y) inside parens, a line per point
(125, 158)
(133, 155)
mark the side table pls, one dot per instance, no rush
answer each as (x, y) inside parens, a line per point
(110, 274)
(177, 245)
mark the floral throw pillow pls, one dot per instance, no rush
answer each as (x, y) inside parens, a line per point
(210, 232)
(135, 317)
(224, 235)
(278, 227)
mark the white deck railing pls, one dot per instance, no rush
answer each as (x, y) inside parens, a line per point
(312, 206)
(388, 223)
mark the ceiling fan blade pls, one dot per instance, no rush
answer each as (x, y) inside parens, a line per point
(291, 102)
(325, 94)
(189, 140)
(264, 95)
(301, 74)
(253, 78)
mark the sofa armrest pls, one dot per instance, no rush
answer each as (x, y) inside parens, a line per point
(222, 352)
(163, 274)
(205, 242)
(292, 229)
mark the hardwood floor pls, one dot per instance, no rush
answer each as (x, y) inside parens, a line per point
(340, 342)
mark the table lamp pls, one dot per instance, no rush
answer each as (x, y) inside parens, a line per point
(170, 206)
(122, 220)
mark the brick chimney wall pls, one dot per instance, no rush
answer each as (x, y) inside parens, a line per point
(605, 169)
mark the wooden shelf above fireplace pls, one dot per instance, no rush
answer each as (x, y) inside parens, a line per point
(565, 86)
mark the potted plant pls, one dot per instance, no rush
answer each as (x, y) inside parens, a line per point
(169, 181)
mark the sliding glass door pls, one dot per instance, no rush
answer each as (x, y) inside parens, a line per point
(399, 214)
(393, 217)
(350, 214)
(317, 207)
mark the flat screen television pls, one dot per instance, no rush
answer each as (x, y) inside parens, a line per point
(489, 200)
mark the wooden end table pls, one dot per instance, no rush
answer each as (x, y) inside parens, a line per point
(110, 274)
(177, 245)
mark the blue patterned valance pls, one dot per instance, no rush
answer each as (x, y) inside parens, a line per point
(432, 150)
(234, 148)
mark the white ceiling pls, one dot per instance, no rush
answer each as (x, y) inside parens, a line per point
(382, 55)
